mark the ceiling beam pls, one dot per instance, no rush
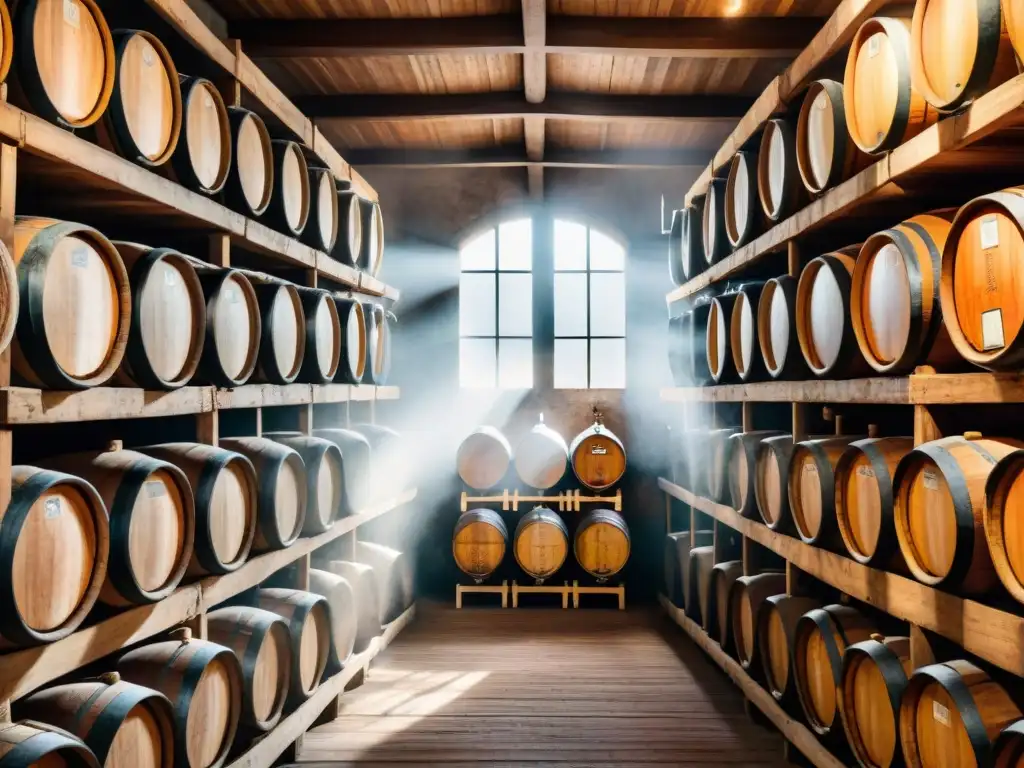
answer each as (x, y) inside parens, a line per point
(535, 88)
(514, 157)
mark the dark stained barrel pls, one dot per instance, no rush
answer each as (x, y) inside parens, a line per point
(716, 618)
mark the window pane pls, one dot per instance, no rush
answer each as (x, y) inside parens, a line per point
(570, 304)
(607, 304)
(605, 253)
(476, 305)
(515, 363)
(570, 364)
(515, 244)
(515, 304)
(478, 253)
(476, 363)
(607, 363)
(570, 245)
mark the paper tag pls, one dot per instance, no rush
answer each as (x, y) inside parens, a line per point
(810, 468)
(51, 508)
(865, 471)
(940, 713)
(155, 489)
(989, 233)
(992, 330)
(170, 277)
(72, 13)
(147, 57)
(598, 450)
(230, 295)
(79, 257)
(931, 481)
(874, 45)
(207, 100)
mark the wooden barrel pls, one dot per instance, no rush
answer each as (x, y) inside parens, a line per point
(717, 455)
(367, 608)
(714, 237)
(691, 255)
(743, 219)
(309, 627)
(884, 108)
(771, 482)
(261, 643)
(322, 462)
(951, 713)
(349, 242)
(695, 570)
(894, 306)
(540, 543)
(872, 683)
(747, 597)
(250, 185)
(55, 542)
(483, 458)
(1008, 750)
(601, 543)
(168, 325)
(825, 153)
(775, 634)
(777, 329)
(598, 457)
(371, 250)
(393, 571)
(743, 339)
(675, 248)
(283, 330)
(717, 619)
(69, 275)
(388, 460)
(323, 344)
(676, 551)
(821, 637)
(864, 499)
(812, 486)
(378, 348)
(1002, 522)
(281, 501)
(321, 231)
(684, 547)
(541, 457)
(779, 186)
(675, 350)
(233, 327)
(341, 598)
(355, 466)
(202, 157)
(352, 365)
(717, 341)
(203, 681)
(823, 325)
(742, 470)
(290, 201)
(31, 744)
(696, 342)
(940, 502)
(10, 300)
(6, 42)
(959, 51)
(70, 96)
(478, 542)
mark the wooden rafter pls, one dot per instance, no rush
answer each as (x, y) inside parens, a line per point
(535, 88)
(509, 157)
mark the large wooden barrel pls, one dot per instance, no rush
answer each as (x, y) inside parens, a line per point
(352, 364)
(478, 542)
(1002, 519)
(1008, 749)
(883, 106)
(717, 619)
(540, 543)
(70, 96)
(743, 218)
(811, 486)
(873, 680)
(31, 744)
(541, 457)
(819, 641)
(743, 338)
(747, 597)
(324, 342)
(601, 543)
(598, 457)
(168, 326)
(55, 540)
(325, 482)
(864, 499)
(691, 255)
(717, 454)
(152, 521)
(233, 327)
(675, 248)
(775, 635)
(779, 186)
(777, 329)
(349, 242)
(224, 488)
(341, 598)
(894, 303)
(697, 570)
(281, 502)
(355, 465)
(718, 340)
(290, 201)
(825, 154)
(951, 714)
(203, 681)
(393, 571)
(308, 618)
(283, 330)
(321, 231)
(250, 185)
(742, 469)
(371, 250)
(714, 237)
(69, 276)
(483, 458)
(771, 482)
(940, 502)
(202, 157)
(958, 51)
(367, 600)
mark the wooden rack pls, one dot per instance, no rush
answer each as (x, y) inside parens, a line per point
(482, 589)
(568, 501)
(567, 590)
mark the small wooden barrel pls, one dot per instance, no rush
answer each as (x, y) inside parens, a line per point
(393, 571)
(233, 327)
(771, 482)
(714, 237)
(864, 499)
(717, 454)
(321, 231)
(775, 632)
(325, 481)
(894, 304)
(743, 220)
(744, 346)
(812, 486)
(483, 458)
(261, 643)
(874, 678)
(281, 502)
(352, 365)
(70, 96)
(341, 597)
(742, 469)
(883, 107)
(777, 329)
(283, 330)
(598, 457)
(819, 641)
(747, 597)
(958, 51)
(250, 186)
(1008, 749)
(364, 586)
(122, 723)
(478, 542)
(168, 327)
(823, 325)
(601, 543)
(701, 561)
(371, 250)
(675, 248)
(355, 465)
(717, 618)
(349, 242)
(717, 341)
(202, 157)
(691, 255)
(31, 744)
(309, 626)
(541, 542)
(825, 154)
(55, 540)
(940, 502)
(69, 275)
(951, 713)
(290, 201)
(541, 457)
(324, 341)
(779, 186)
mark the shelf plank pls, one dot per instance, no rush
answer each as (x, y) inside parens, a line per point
(388, 393)
(990, 633)
(260, 395)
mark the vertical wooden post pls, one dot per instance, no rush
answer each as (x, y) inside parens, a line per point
(208, 428)
(797, 582)
(302, 566)
(306, 419)
(799, 422)
(259, 422)
(668, 513)
(219, 252)
(925, 428)
(921, 653)
(748, 416)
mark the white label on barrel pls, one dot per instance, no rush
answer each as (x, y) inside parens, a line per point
(940, 713)
(147, 57)
(874, 45)
(170, 277)
(821, 101)
(207, 100)
(51, 509)
(811, 468)
(155, 489)
(80, 257)
(865, 471)
(989, 233)
(230, 295)
(72, 13)
(931, 481)
(598, 450)
(992, 330)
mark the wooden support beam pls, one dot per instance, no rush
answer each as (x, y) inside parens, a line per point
(533, 131)
(507, 157)
(535, 68)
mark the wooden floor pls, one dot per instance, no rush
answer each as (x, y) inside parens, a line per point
(560, 688)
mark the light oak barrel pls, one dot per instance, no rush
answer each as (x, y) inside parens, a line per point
(825, 153)
(355, 465)
(251, 181)
(675, 248)
(283, 329)
(261, 643)
(685, 548)
(1003, 522)
(864, 499)
(203, 681)
(714, 237)
(478, 542)
(324, 344)
(125, 725)
(894, 304)
(717, 454)
(64, 61)
(746, 597)
(541, 457)
(290, 200)
(322, 226)
(744, 343)
(168, 323)
(56, 543)
(718, 340)
(601, 543)
(349, 242)
(883, 107)
(743, 216)
(959, 49)
(371, 250)
(951, 714)
(281, 501)
(691, 254)
(74, 305)
(771, 482)
(483, 458)
(742, 470)
(779, 186)
(325, 478)
(341, 599)
(352, 365)
(940, 503)
(234, 328)
(203, 156)
(598, 457)
(775, 633)
(6, 42)
(364, 586)
(701, 559)
(309, 628)
(777, 334)
(811, 484)
(540, 543)
(717, 619)
(10, 299)
(224, 487)
(31, 744)
(393, 571)
(1008, 750)
(873, 680)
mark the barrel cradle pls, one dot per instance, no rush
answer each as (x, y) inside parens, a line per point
(540, 543)
(478, 542)
(825, 153)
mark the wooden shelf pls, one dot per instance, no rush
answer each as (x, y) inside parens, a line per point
(23, 671)
(990, 633)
